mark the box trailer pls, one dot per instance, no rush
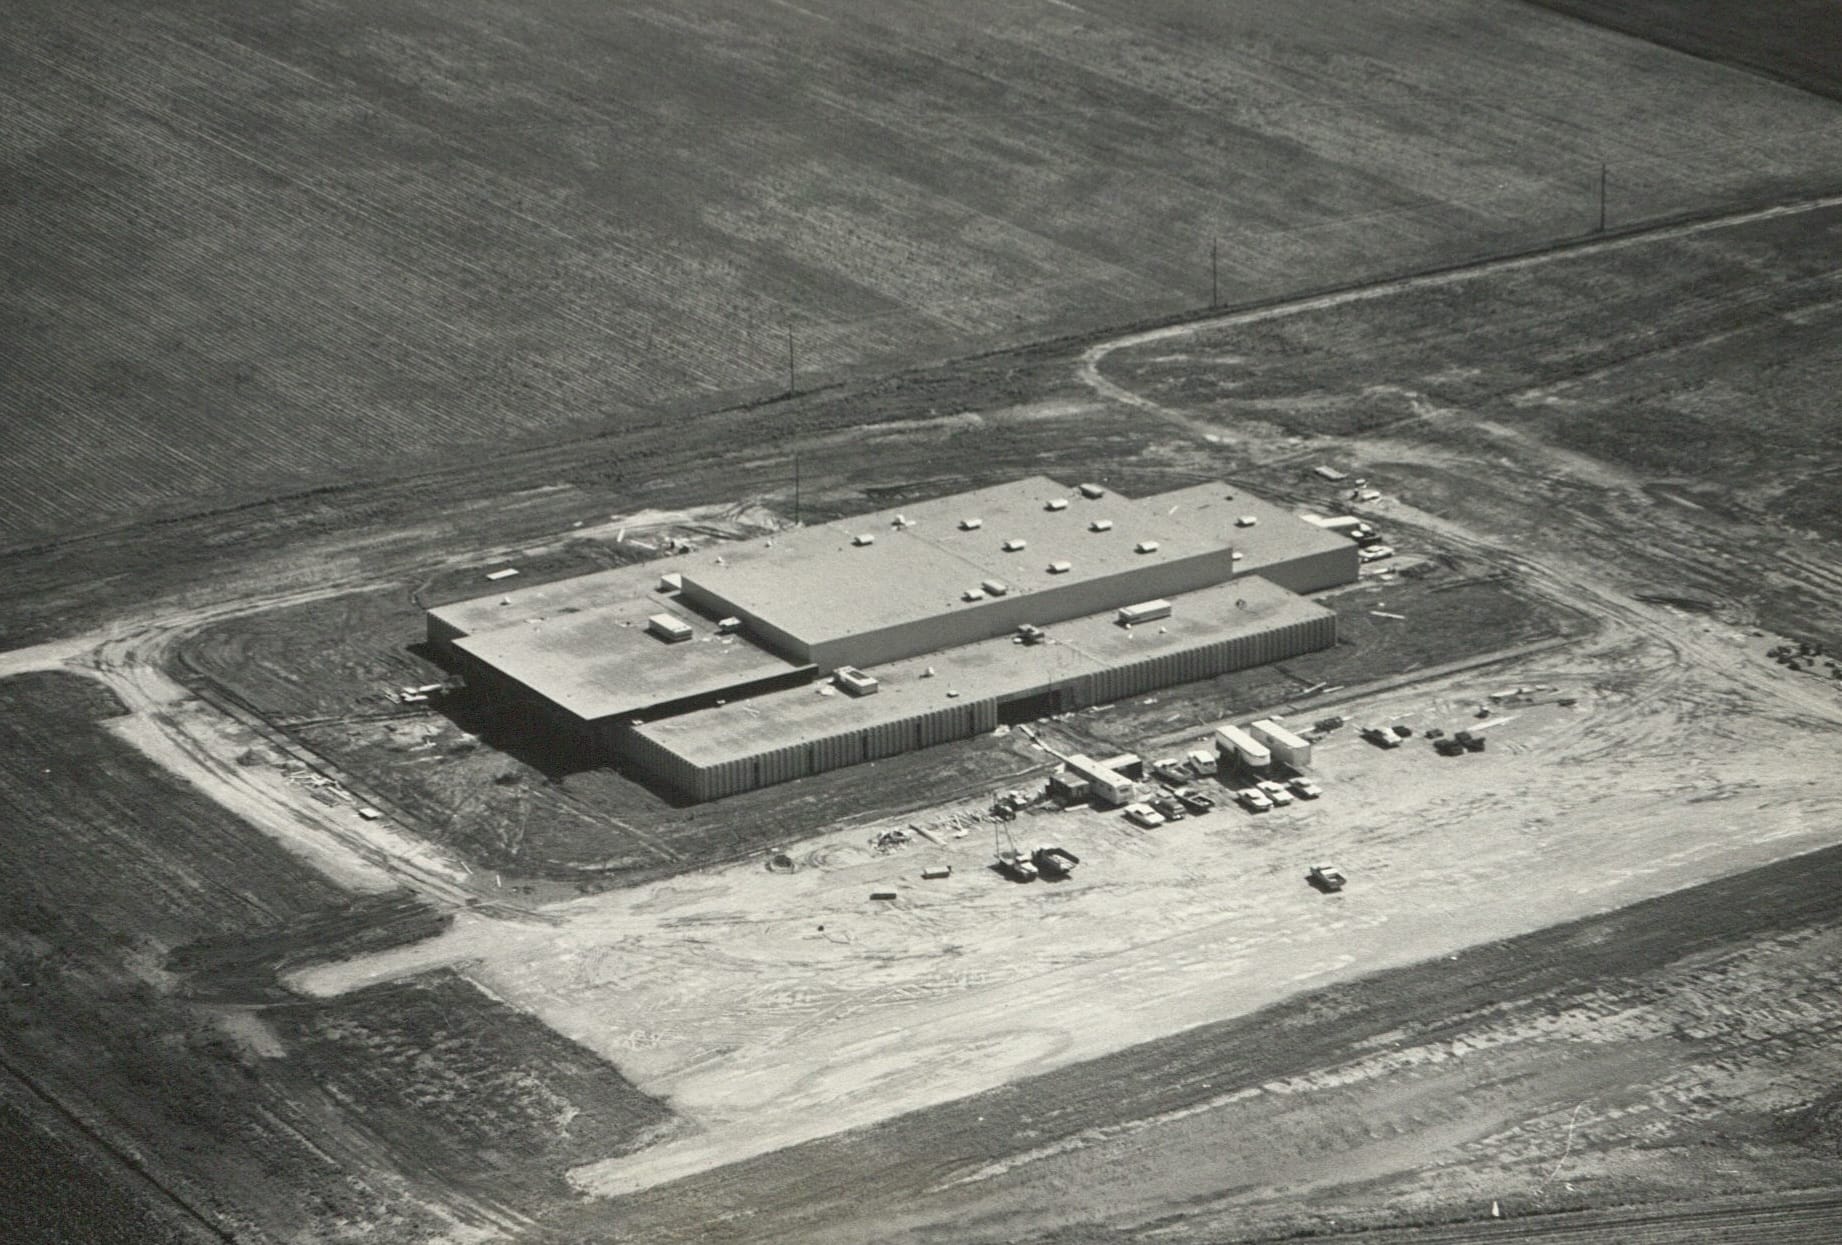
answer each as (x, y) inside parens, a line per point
(1106, 786)
(1288, 747)
(1233, 742)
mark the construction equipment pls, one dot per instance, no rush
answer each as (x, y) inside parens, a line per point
(1054, 861)
(1013, 863)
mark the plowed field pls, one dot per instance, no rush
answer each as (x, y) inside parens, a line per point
(252, 251)
(141, 930)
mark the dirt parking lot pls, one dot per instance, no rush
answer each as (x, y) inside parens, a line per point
(771, 1009)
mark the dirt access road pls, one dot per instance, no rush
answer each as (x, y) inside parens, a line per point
(774, 1009)
(721, 991)
(1689, 756)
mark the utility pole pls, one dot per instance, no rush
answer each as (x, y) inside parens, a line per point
(1215, 289)
(796, 488)
(789, 358)
(1602, 198)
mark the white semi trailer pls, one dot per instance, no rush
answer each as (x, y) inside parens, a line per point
(1232, 742)
(1107, 786)
(1288, 747)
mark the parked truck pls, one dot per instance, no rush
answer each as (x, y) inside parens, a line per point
(1283, 744)
(1237, 746)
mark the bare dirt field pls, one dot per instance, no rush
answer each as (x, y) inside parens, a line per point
(775, 1009)
(144, 925)
(1689, 756)
(210, 978)
(1680, 391)
(348, 239)
(1795, 41)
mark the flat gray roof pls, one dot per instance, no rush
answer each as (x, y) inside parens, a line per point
(816, 584)
(988, 669)
(600, 662)
(506, 605)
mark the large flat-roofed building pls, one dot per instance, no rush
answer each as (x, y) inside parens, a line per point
(943, 585)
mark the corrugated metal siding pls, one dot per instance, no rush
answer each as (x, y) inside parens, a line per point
(655, 758)
(1319, 570)
(441, 633)
(962, 721)
(1207, 661)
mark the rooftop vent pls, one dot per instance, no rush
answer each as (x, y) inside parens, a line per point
(671, 630)
(971, 525)
(1015, 546)
(853, 681)
(1246, 520)
(1060, 568)
(1145, 611)
(1100, 525)
(1056, 503)
(1093, 492)
(863, 539)
(1146, 546)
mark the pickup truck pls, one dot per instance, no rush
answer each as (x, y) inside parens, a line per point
(1171, 772)
(1193, 800)
(1327, 878)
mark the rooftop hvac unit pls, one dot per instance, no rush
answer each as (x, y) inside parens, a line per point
(1056, 503)
(853, 681)
(1100, 525)
(1146, 546)
(863, 539)
(1093, 492)
(671, 630)
(971, 525)
(728, 626)
(1145, 611)
(1246, 520)
(1015, 546)
(995, 587)
(1060, 568)
(972, 594)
